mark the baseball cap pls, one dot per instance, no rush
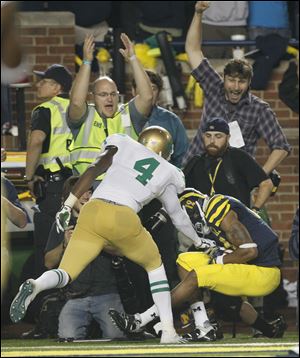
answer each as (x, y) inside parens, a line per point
(58, 73)
(216, 124)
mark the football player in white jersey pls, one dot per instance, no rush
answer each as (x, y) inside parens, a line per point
(136, 173)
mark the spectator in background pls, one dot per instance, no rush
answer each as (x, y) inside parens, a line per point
(94, 291)
(11, 205)
(249, 117)
(159, 16)
(294, 239)
(162, 117)
(294, 251)
(48, 159)
(94, 123)
(226, 170)
(268, 17)
(90, 17)
(14, 65)
(289, 86)
(222, 20)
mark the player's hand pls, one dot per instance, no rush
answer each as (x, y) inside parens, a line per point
(63, 218)
(215, 252)
(204, 243)
(201, 6)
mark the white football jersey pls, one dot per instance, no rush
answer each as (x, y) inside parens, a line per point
(137, 175)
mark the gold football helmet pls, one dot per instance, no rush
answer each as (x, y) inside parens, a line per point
(158, 140)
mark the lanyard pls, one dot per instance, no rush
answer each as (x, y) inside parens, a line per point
(213, 179)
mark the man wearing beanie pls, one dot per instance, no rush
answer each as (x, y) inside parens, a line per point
(223, 169)
(48, 161)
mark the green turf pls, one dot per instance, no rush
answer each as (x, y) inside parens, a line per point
(242, 346)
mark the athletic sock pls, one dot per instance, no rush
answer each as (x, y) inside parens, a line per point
(199, 313)
(52, 279)
(160, 291)
(263, 326)
(148, 315)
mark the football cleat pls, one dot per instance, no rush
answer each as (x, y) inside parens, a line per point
(206, 333)
(26, 294)
(171, 338)
(127, 323)
(279, 327)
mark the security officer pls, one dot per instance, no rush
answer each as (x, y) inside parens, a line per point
(48, 159)
(95, 123)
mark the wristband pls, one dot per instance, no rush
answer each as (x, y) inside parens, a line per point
(248, 245)
(71, 200)
(131, 58)
(86, 62)
(219, 260)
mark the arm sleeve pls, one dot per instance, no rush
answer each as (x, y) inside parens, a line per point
(271, 131)
(249, 168)
(77, 124)
(137, 119)
(41, 120)
(12, 195)
(179, 218)
(208, 78)
(54, 239)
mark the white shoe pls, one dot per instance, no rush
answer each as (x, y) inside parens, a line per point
(25, 296)
(171, 337)
(205, 333)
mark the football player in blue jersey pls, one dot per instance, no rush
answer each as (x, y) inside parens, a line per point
(245, 263)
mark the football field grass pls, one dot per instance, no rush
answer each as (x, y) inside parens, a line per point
(243, 346)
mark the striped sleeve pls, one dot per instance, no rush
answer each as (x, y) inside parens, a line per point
(216, 209)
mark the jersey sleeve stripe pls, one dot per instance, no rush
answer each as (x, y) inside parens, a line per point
(214, 201)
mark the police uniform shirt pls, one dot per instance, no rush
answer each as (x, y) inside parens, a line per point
(41, 120)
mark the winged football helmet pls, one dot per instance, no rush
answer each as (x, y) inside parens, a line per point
(192, 202)
(157, 139)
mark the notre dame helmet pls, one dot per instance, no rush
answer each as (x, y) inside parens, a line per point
(158, 140)
(192, 202)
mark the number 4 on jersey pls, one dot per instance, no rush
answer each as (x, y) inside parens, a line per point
(146, 167)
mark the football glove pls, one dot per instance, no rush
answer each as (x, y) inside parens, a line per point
(63, 218)
(215, 252)
(204, 243)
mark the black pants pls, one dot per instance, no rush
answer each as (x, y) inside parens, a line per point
(43, 221)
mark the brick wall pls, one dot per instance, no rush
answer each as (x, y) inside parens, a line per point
(49, 38)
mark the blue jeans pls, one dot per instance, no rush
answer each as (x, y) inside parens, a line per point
(77, 314)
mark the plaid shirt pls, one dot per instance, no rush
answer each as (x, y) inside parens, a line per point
(254, 116)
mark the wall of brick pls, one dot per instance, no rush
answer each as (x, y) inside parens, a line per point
(49, 38)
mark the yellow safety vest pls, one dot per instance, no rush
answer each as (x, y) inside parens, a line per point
(88, 144)
(60, 136)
